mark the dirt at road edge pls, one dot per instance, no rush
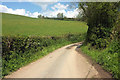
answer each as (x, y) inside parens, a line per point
(102, 73)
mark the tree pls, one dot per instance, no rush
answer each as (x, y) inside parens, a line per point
(60, 15)
(65, 17)
(40, 16)
(79, 16)
(101, 19)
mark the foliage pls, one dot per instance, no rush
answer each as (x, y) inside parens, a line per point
(101, 19)
(107, 58)
(60, 15)
(40, 16)
(103, 35)
(20, 50)
(79, 16)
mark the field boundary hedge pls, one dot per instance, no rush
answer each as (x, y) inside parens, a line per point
(19, 51)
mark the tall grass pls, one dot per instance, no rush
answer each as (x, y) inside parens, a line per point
(107, 58)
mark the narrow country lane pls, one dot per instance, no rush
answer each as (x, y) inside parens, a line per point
(64, 62)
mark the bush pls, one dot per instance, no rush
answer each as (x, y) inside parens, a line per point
(101, 19)
(19, 51)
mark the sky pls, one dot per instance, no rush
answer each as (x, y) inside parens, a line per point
(49, 8)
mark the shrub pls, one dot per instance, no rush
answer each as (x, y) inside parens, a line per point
(19, 50)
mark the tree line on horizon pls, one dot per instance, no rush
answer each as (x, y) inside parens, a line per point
(61, 16)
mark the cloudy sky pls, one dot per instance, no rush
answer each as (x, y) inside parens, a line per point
(48, 8)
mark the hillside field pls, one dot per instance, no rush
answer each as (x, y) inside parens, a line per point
(21, 25)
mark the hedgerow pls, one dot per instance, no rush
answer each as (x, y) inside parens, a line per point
(19, 51)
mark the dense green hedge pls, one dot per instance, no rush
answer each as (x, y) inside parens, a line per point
(19, 51)
(102, 18)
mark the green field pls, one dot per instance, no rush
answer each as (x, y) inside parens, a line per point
(21, 25)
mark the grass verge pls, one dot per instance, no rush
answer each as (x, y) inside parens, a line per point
(107, 58)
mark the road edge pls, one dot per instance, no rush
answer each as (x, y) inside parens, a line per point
(101, 72)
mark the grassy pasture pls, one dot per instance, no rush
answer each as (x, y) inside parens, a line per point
(25, 26)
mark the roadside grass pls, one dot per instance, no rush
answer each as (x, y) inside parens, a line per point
(20, 25)
(107, 58)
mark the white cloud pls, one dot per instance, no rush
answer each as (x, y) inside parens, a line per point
(9, 10)
(59, 6)
(69, 14)
(23, 12)
(72, 14)
(43, 3)
(35, 14)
